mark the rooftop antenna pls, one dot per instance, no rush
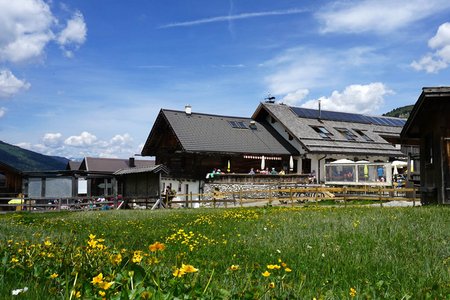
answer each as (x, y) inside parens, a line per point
(270, 98)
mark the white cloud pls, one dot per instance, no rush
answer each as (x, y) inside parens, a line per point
(440, 59)
(74, 34)
(381, 16)
(25, 29)
(27, 26)
(121, 140)
(294, 98)
(2, 112)
(356, 98)
(235, 17)
(298, 69)
(82, 140)
(10, 84)
(52, 139)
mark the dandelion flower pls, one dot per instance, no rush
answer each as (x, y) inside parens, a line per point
(352, 292)
(287, 270)
(91, 236)
(102, 293)
(157, 246)
(188, 268)
(97, 279)
(54, 275)
(14, 260)
(272, 285)
(266, 274)
(234, 267)
(178, 273)
(105, 285)
(47, 243)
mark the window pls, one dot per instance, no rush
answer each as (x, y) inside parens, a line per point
(238, 124)
(323, 132)
(363, 135)
(2, 180)
(347, 134)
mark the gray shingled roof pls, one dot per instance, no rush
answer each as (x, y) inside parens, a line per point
(301, 129)
(213, 133)
(96, 164)
(137, 170)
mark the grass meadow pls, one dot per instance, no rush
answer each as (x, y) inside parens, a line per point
(235, 253)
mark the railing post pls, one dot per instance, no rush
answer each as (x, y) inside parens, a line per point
(379, 196)
(414, 195)
(344, 190)
(192, 200)
(290, 196)
(240, 197)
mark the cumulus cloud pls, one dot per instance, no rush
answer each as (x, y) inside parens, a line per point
(74, 34)
(2, 112)
(356, 98)
(29, 25)
(52, 139)
(10, 84)
(82, 140)
(440, 58)
(381, 16)
(295, 97)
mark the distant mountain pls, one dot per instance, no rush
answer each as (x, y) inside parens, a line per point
(26, 160)
(400, 112)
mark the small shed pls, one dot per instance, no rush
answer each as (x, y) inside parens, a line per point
(141, 182)
(429, 126)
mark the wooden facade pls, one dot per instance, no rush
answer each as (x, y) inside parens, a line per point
(429, 127)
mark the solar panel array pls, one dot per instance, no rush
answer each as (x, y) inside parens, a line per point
(347, 117)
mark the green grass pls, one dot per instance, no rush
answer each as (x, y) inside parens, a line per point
(381, 253)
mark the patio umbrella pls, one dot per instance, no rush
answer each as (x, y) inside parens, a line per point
(15, 201)
(342, 161)
(366, 171)
(291, 163)
(263, 162)
(412, 165)
(228, 167)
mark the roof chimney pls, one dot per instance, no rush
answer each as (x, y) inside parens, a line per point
(320, 111)
(252, 124)
(131, 162)
(188, 110)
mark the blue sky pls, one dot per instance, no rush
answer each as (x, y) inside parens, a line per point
(87, 78)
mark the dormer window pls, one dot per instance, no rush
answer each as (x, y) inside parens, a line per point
(347, 134)
(363, 135)
(323, 132)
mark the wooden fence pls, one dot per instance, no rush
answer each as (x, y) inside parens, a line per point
(293, 196)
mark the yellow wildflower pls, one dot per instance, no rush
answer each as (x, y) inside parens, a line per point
(92, 243)
(97, 279)
(288, 270)
(157, 246)
(234, 267)
(266, 274)
(102, 293)
(352, 292)
(137, 257)
(14, 260)
(116, 259)
(188, 268)
(47, 243)
(54, 275)
(272, 285)
(178, 273)
(76, 294)
(91, 236)
(273, 267)
(105, 285)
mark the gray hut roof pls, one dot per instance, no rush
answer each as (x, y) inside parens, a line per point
(138, 170)
(197, 132)
(111, 165)
(300, 123)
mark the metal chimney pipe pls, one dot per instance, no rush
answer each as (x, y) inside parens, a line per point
(320, 111)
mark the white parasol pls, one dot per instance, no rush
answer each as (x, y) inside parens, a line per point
(291, 163)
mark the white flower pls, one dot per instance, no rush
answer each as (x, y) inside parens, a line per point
(18, 291)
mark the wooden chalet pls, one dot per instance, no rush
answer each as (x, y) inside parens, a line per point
(429, 126)
(192, 144)
(324, 136)
(10, 180)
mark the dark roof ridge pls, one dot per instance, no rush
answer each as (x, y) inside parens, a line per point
(205, 114)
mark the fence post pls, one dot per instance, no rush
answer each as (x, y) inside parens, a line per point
(344, 190)
(414, 195)
(240, 197)
(315, 196)
(270, 195)
(192, 200)
(290, 196)
(379, 196)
